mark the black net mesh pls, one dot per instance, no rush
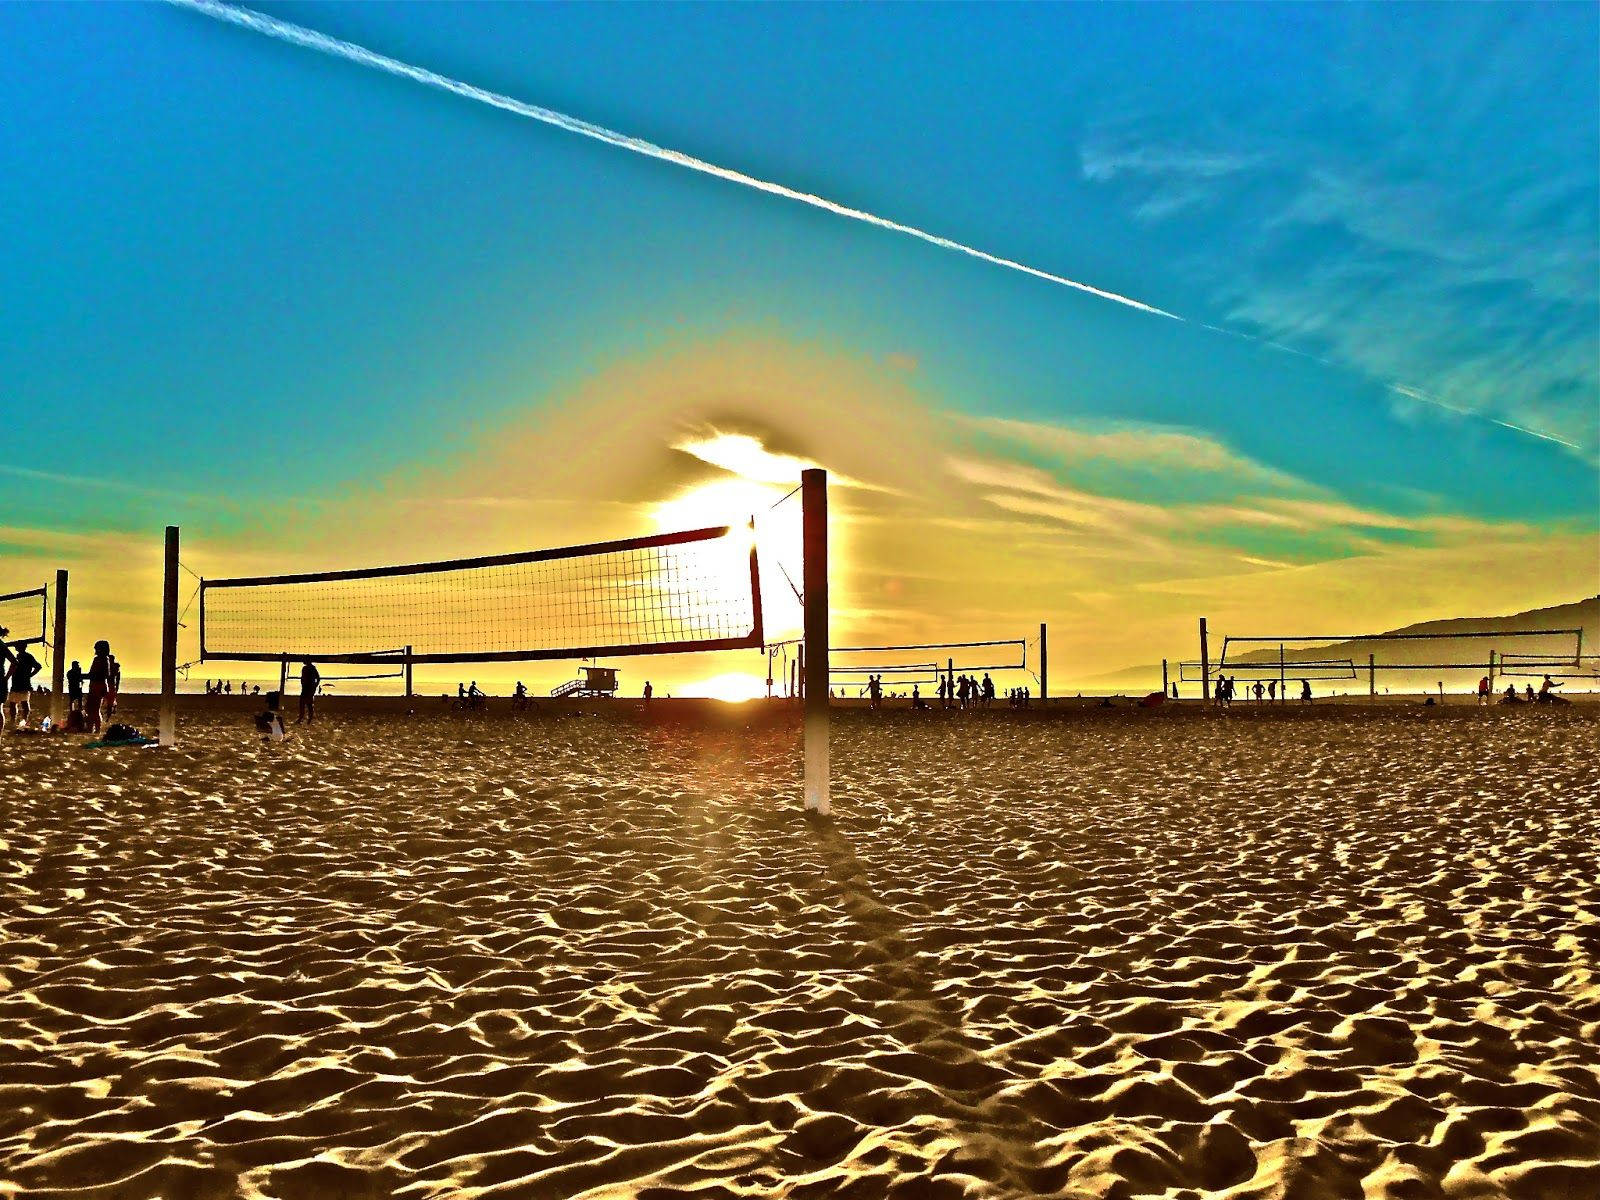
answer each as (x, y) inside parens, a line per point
(646, 595)
(23, 613)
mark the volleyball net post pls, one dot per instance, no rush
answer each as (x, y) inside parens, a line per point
(814, 591)
(1205, 664)
(58, 657)
(1044, 663)
(168, 724)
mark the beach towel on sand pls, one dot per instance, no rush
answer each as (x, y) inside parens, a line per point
(117, 736)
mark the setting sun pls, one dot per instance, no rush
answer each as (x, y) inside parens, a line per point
(733, 686)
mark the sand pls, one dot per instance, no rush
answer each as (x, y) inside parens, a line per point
(1336, 952)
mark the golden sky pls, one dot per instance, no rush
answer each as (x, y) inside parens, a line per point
(947, 526)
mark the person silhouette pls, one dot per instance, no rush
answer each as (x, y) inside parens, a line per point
(310, 681)
(99, 674)
(75, 687)
(19, 689)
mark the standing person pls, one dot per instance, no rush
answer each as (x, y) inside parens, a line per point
(1272, 690)
(113, 683)
(6, 657)
(988, 690)
(944, 693)
(310, 681)
(24, 666)
(1305, 691)
(99, 683)
(75, 688)
(1259, 689)
(874, 691)
(648, 692)
(1483, 690)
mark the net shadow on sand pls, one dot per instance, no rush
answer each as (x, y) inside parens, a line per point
(930, 1022)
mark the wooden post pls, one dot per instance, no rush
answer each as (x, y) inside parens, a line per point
(1044, 663)
(1165, 687)
(1491, 673)
(814, 521)
(1372, 675)
(409, 692)
(169, 643)
(950, 682)
(800, 671)
(1283, 682)
(58, 662)
(1205, 664)
(283, 678)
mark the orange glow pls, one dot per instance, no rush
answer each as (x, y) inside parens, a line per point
(734, 687)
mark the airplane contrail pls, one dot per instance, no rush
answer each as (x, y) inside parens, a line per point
(311, 39)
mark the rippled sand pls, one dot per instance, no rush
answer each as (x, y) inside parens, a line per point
(1336, 952)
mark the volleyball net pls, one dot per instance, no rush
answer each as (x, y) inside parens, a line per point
(1520, 666)
(26, 615)
(925, 663)
(667, 593)
(1428, 656)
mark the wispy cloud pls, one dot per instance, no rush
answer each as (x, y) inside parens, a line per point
(1436, 232)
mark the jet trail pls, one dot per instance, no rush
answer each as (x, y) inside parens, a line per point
(311, 39)
(300, 36)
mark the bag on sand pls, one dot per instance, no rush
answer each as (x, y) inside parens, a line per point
(122, 735)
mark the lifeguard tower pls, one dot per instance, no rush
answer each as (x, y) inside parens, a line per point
(596, 681)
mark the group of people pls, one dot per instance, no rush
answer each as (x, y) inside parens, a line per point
(1545, 695)
(967, 691)
(1227, 687)
(270, 720)
(224, 687)
(85, 712)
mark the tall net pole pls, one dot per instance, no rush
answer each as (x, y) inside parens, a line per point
(1205, 663)
(169, 642)
(58, 660)
(814, 523)
(1044, 663)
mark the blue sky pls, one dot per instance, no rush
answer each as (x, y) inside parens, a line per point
(239, 274)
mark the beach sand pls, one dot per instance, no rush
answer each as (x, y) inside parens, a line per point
(1327, 952)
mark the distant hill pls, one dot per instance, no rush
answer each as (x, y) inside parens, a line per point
(1425, 654)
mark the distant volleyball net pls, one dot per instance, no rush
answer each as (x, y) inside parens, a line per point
(666, 593)
(924, 664)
